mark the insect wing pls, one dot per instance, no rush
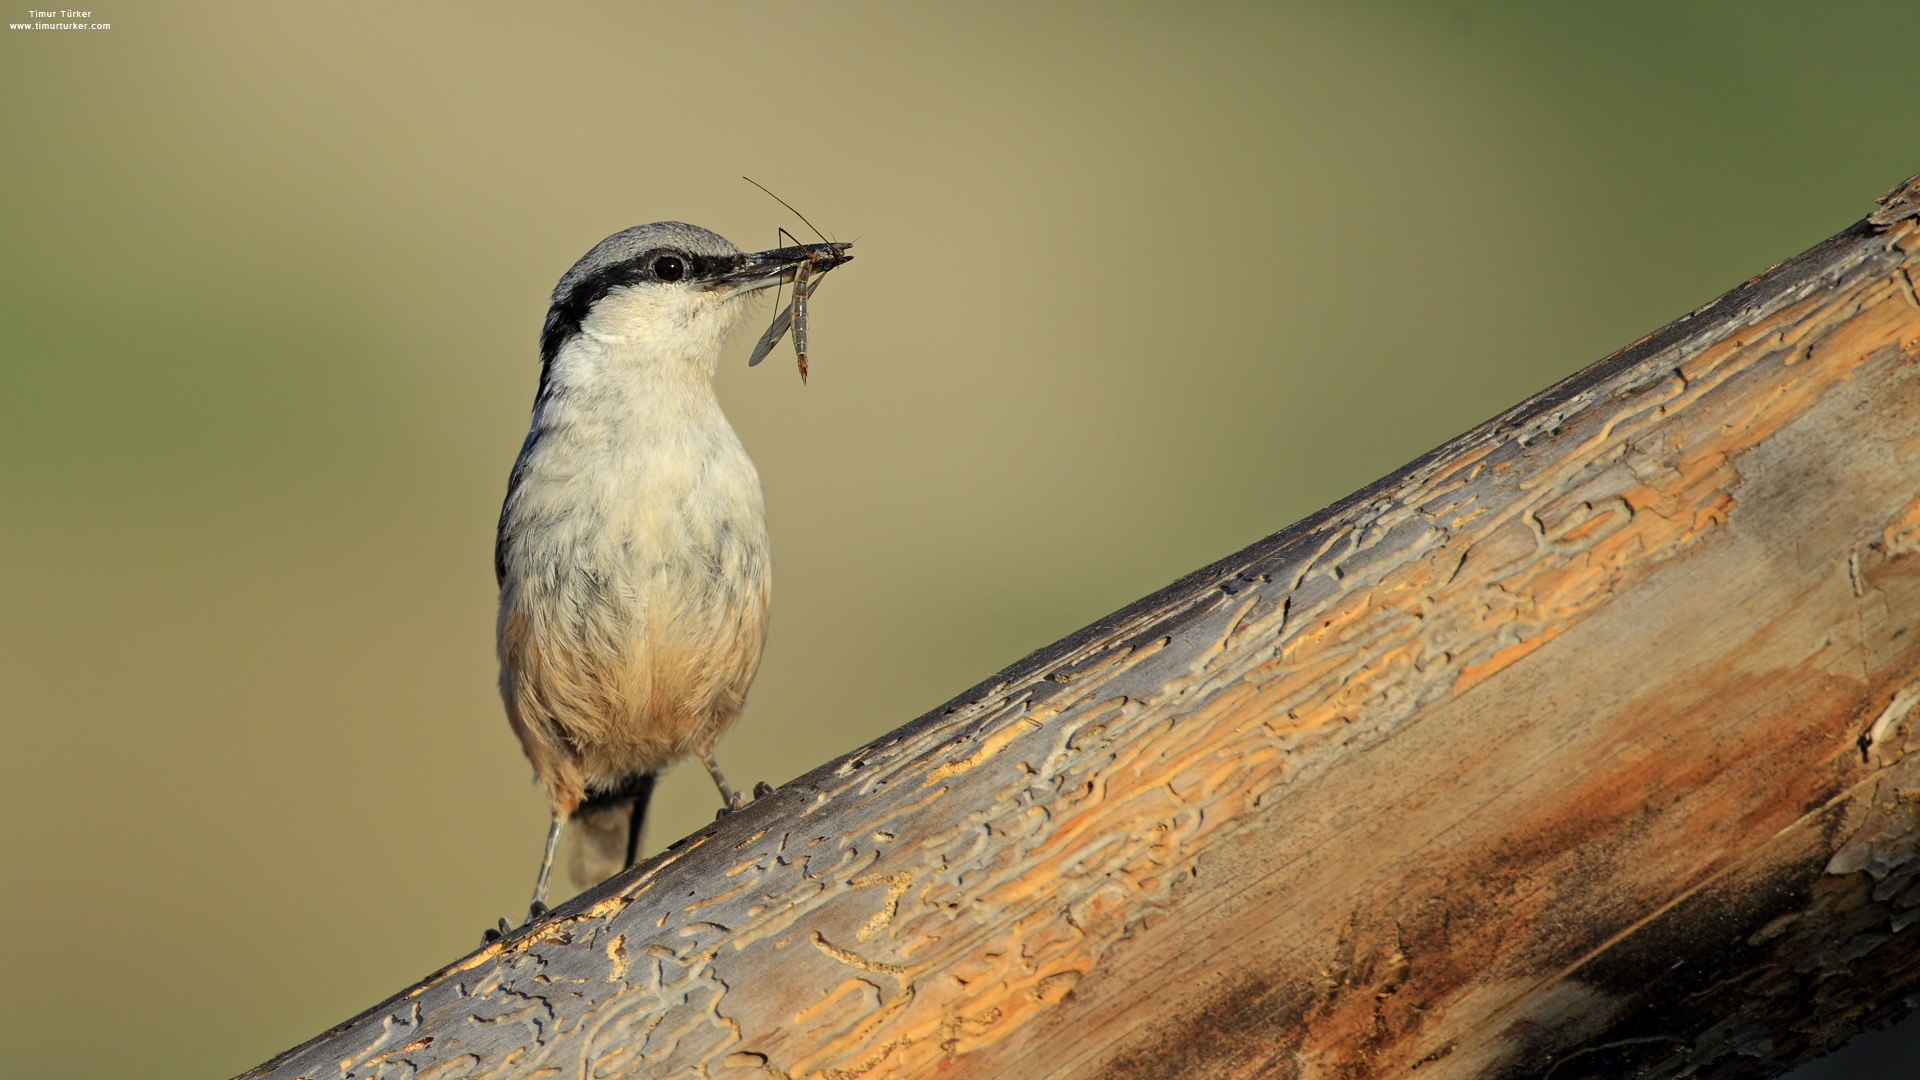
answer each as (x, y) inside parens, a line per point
(775, 331)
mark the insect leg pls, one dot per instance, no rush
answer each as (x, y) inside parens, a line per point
(776, 331)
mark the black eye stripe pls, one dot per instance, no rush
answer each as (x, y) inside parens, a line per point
(563, 318)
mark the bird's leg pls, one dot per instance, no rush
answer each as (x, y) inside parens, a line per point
(539, 905)
(636, 818)
(732, 798)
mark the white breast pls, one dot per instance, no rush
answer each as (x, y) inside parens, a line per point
(636, 549)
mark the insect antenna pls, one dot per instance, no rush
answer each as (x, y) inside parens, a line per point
(789, 206)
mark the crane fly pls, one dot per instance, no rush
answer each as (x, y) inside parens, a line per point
(807, 275)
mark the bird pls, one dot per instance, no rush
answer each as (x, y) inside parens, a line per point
(632, 553)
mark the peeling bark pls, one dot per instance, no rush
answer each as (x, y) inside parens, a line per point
(1583, 746)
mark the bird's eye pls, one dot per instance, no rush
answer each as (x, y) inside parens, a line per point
(669, 268)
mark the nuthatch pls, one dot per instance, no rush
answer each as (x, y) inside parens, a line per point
(632, 549)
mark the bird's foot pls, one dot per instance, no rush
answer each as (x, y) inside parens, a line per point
(738, 799)
(492, 933)
(534, 911)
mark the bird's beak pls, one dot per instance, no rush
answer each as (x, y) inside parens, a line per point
(766, 269)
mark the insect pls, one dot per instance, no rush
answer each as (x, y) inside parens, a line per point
(802, 289)
(821, 258)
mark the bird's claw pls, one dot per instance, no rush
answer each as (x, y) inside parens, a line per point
(492, 934)
(535, 910)
(738, 799)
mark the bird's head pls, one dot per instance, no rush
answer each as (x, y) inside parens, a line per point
(672, 291)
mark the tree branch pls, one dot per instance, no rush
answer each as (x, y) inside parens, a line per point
(1581, 746)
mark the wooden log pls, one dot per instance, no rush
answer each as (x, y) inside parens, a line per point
(1583, 746)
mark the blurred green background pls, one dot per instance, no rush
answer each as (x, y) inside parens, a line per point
(1136, 286)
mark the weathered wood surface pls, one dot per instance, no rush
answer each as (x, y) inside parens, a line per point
(1579, 747)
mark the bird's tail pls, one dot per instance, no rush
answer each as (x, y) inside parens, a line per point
(606, 831)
